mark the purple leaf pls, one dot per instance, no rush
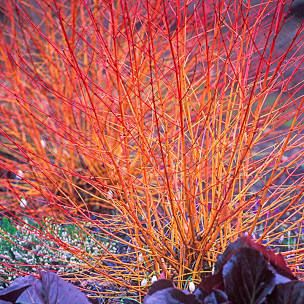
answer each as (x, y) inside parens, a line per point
(50, 289)
(33, 294)
(217, 297)
(289, 293)
(12, 293)
(247, 278)
(58, 291)
(163, 292)
(276, 260)
(208, 284)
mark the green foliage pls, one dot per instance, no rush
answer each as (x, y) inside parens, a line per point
(7, 226)
(21, 246)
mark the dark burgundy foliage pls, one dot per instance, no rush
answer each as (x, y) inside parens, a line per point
(217, 297)
(49, 289)
(163, 291)
(160, 285)
(247, 278)
(288, 293)
(210, 283)
(12, 293)
(276, 260)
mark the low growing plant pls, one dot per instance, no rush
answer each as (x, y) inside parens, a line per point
(246, 273)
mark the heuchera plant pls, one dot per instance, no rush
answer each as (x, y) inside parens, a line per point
(48, 288)
(247, 273)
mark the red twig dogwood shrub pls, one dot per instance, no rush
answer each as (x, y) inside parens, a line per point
(167, 128)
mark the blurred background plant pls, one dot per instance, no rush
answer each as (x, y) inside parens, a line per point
(158, 130)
